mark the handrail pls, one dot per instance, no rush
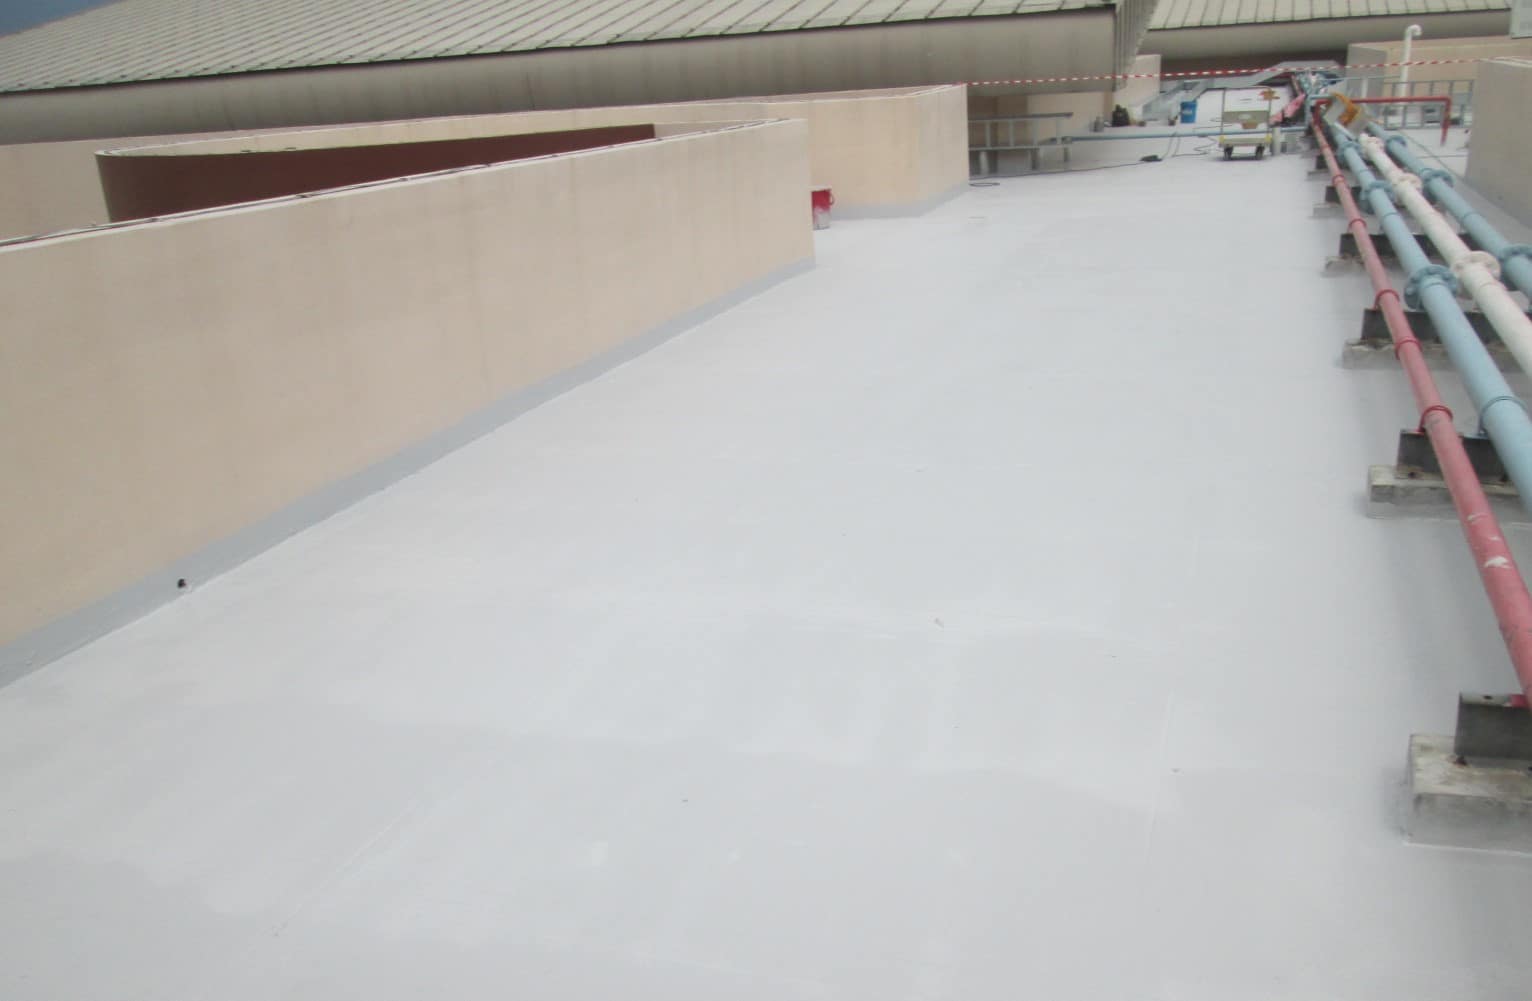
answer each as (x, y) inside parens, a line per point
(991, 140)
(1443, 100)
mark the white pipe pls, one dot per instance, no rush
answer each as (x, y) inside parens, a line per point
(1410, 34)
(1478, 273)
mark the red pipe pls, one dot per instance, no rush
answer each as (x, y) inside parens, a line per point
(1497, 567)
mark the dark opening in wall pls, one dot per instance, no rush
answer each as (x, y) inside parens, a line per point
(139, 185)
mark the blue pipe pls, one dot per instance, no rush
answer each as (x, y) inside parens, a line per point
(1210, 132)
(1515, 258)
(1434, 288)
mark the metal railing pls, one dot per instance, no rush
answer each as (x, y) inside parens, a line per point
(1400, 117)
(1005, 133)
(990, 130)
(1167, 103)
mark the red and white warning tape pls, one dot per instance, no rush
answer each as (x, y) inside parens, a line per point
(1197, 74)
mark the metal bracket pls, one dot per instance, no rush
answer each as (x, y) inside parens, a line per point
(1435, 174)
(1385, 246)
(1502, 398)
(1495, 727)
(1378, 184)
(1416, 458)
(1332, 196)
(1375, 327)
(1515, 250)
(1380, 243)
(1422, 277)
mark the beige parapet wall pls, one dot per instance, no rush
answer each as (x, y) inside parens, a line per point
(46, 187)
(895, 150)
(1500, 154)
(883, 152)
(173, 388)
(50, 187)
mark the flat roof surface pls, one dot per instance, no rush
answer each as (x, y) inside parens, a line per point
(1223, 13)
(135, 40)
(989, 613)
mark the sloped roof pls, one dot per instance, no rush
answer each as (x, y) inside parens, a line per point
(1224, 13)
(136, 40)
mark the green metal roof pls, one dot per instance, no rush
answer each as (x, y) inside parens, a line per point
(1225, 13)
(139, 40)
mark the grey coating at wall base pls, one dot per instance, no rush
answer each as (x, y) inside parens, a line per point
(38, 648)
(899, 211)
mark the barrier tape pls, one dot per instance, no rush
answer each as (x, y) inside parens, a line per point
(1197, 74)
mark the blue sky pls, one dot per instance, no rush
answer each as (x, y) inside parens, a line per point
(18, 14)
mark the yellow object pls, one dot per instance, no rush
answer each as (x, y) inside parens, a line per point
(1349, 110)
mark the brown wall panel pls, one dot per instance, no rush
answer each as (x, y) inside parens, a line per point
(139, 185)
